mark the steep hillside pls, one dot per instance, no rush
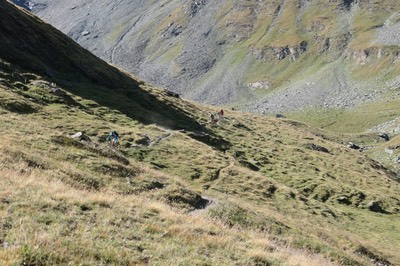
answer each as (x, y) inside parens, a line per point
(178, 190)
(265, 56)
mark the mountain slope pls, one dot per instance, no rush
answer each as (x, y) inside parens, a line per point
(249, 191)
(264, 56)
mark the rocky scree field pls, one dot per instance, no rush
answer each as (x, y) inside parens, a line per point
(269, 56)
(271, 191)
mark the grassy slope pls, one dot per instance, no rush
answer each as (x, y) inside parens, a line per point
(276, 200)
(84, 193)
(355, 120)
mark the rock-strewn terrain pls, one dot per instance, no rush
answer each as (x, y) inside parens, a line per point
(303, 53)
(266, 56)
(178, 190)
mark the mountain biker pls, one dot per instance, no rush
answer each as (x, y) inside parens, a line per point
(114, 137)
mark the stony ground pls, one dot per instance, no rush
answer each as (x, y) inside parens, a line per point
(284, 193)
(210, 51)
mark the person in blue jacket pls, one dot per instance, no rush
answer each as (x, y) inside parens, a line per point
(113, 137)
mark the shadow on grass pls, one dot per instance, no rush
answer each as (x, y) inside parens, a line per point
(36, 46)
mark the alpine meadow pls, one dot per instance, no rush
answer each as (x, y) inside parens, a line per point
(301, 167)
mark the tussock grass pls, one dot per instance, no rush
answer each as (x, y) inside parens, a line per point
(272, 199)
(82, 194)
(120, 229)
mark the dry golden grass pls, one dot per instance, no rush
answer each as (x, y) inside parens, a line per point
(40, 188)
(275, 199)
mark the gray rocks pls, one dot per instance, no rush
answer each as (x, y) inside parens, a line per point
(389, 34)
(195, 6)
(375, 207)
(344, 200)
(354, 146)
(81, 136)
(193, 56)
(384, 136)
(389, 151)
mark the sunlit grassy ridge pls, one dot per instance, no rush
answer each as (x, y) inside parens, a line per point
(279, 192)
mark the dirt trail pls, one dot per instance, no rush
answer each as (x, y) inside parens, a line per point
(169, 134)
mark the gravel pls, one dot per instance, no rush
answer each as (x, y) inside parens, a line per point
(330, 88)
(131, 35)
(389, 33)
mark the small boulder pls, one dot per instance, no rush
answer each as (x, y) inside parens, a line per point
(384, 136)
(85, 33)
(375, 207)
(389, 151)
(354, 146)
(81, 136)
(344, 200)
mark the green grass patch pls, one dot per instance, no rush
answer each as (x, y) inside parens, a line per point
(356, 120)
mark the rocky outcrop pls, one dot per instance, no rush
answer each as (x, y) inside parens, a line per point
(207, 50)
(372, 54)
(195, 6)
(292, 52)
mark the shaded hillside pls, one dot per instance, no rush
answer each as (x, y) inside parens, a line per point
(24, 3)
(248, 191)
(49, 53)
(264, 56)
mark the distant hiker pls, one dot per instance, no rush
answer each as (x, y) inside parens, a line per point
(114, 138)
(221, 114)
(212, 119)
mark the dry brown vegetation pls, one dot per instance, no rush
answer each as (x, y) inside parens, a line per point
(251, 190)
(65, 201)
